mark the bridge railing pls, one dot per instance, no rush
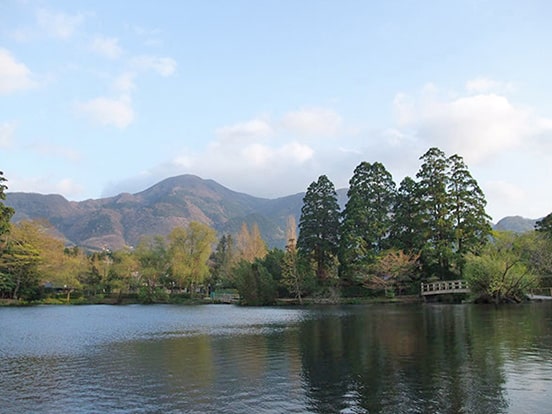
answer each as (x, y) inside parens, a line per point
(444, 286)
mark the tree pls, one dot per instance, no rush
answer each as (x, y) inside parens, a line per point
(34, 257)
(406, 226)
(367, 216)
(255, 284)
(152, 257)
(434, 215)
(250, 243)
(124, 271)
(223, 260)
(319, 228)
(58, 265)
(450, 214)
(500, 273)
(470, 222)
(291, 230)
(188, 253)
(537, 253)
(544, 226)
(6, 212)
(19, 262)
(393, 270)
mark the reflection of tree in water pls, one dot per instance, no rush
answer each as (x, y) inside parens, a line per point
(445, 359)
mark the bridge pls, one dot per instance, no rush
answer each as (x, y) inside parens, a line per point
(444, 287)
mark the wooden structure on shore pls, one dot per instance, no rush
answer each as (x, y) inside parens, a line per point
(228, 298)
(444, 287)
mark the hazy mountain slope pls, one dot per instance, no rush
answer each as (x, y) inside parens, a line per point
(122, 220)
(517, 224)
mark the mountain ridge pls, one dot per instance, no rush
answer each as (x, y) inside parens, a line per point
(121, 220)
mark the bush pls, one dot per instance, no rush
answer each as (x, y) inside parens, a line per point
(255, 284)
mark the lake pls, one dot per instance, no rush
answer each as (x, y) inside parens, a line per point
(385, 358)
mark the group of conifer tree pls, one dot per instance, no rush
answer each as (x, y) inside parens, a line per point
(385, 240)
(433, 221)
(433, 227)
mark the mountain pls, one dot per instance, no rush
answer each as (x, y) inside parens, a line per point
(516, 224)
(119, 221)
(122, 220)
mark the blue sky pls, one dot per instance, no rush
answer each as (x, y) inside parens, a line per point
(103, 97)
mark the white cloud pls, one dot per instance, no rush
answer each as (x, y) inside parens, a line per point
(58, 24)
(47, 185)
(22, 35)
(7, 131)
(505, 191)
(254, 128)
(108, 111)
(485, 85)
(68, 187)
(14, 76)
(476, 127)
(124, 83)
(297, 152)
(164, 66)
(51, 150)
(151, 37)
(507, 197)
(106, 46)
(313, 122)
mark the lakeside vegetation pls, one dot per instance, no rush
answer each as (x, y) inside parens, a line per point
(385, 241)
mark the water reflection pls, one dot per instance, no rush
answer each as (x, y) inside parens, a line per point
(354, 359)
(447, 359)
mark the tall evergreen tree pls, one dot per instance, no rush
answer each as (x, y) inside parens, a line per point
(467, 210)
(451, 214)
(405, 229)
(434, 213)
(367, 216)
(319, 227)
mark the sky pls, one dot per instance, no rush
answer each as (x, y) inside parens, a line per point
(103, 97)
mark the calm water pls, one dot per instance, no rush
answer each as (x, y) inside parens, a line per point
(227, 359)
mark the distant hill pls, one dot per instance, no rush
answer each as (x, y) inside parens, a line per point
(119, 221)
(516, 224)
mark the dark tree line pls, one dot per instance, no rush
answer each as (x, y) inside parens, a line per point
(386, 240)
(437, 218)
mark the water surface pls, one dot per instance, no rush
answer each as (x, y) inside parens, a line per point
(217, 358)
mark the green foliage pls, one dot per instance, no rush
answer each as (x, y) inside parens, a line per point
(434, 212)
(148, 295)
(153, 261)
(222, 261)
(501, 272)
(297, 278)
(447, 212)
(537, 253)
(19, 262)
(319, 228)
(544, 226)
(254, 284)
(393, 271)
(188, 253)
(467, 210)
(6, 212)
(406, 225)
(366, 218)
